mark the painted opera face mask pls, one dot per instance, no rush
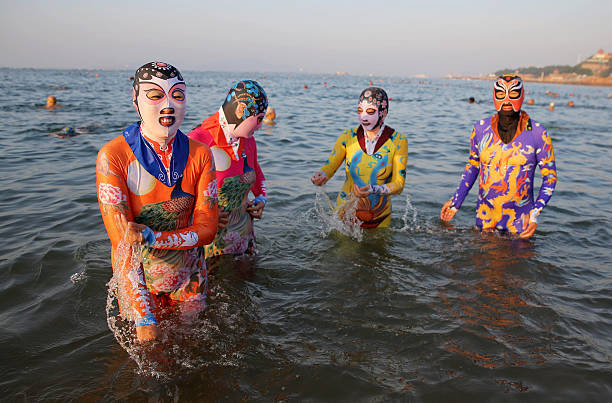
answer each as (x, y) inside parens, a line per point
(245, 107)
(160, 101)
(368, 115)
(508, 93)
(372, 108)
(249, 126)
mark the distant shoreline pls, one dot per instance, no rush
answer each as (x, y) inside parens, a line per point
(590, 81)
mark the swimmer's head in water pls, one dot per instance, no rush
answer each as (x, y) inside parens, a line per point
(159, 97)
(508, 89)
(245, 107)
(373, 108)
(51, 100)
(270, 113)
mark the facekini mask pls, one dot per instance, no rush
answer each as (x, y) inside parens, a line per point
(245, 107)
(373, 108)
(159, 97)
(508, 88)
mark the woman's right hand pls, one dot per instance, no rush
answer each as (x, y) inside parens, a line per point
(319, 178)
(147, 332)
(132, 232)
(448, 212)
(223, 218)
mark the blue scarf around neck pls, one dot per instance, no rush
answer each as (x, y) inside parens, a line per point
(148, 158)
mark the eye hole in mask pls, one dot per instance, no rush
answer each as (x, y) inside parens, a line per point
(514, 94)
(155, 95)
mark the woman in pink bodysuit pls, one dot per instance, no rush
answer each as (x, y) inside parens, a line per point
(229, 134)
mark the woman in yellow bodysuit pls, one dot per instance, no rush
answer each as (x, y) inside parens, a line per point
(375, 158)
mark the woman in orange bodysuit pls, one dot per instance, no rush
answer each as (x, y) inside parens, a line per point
(156, 187)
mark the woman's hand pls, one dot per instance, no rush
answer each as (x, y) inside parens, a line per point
(223, 218)
(256, 210)
(132, 231)
(528, 233)
(147, 332)
(447, 213)
(319, 178)
(361, 191)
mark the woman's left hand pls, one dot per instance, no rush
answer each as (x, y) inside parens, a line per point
(528, 233)
(361, 191)
(256, 210)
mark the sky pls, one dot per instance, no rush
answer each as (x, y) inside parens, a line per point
(383, 38)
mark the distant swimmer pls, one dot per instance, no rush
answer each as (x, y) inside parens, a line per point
(472, 100)
(52, 103)
(530, 101)
(374, 157)
(505, 150)
(570, 103)
(270, 116)
(69, 131)
(305, 87)
(158, 198)
(551, 106)
(65, 132)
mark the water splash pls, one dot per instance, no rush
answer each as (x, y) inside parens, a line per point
(117, 297)
(409, 210)
(78, 277)
(342, 219)
(211, 338)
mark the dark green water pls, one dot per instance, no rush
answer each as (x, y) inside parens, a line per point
(418, 312)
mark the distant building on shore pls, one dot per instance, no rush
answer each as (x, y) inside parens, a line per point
(599, 62)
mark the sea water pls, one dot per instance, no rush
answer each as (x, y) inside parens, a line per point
(420, 311)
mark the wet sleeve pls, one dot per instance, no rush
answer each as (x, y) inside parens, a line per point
(259, 187)
(204, 225)
(545, 156)
(400, 160)
(336, 156)
(112, 194)
(470, 173)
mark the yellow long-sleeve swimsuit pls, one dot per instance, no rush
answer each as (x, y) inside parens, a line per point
(384, 170)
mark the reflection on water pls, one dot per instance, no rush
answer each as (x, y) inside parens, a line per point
(494, 304)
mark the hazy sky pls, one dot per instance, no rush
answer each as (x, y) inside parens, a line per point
(400, 38)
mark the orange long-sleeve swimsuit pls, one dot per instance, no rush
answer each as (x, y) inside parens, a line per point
(183, 216)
